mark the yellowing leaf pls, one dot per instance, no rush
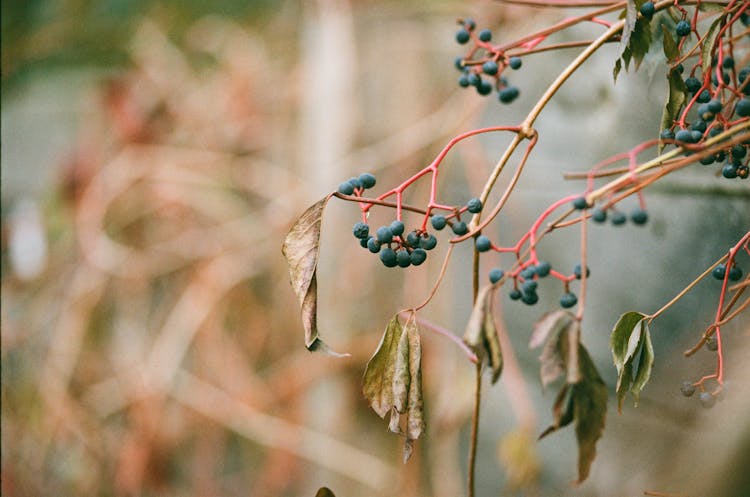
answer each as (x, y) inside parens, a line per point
(481, 334)
(301, 248)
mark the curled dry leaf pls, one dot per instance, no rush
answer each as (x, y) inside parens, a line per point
(393, 381)
(481, 334)
(301, 249)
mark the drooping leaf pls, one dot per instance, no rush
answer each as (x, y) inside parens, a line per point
(377, 386)
(631, 17)
(584, 402)
(632, 353)
(617, 69)
(557, 330)
(393, 381)
(481, 334)
(301, 248)
(562, 410)
(635, 39)
(590, 412)
(676, 97)
(324, 492)
(709, 42)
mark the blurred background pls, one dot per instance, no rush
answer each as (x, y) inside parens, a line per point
(154, 154)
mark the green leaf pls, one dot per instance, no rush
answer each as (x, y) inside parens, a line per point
(635, 39)
(379, 372)
(324, 492)
(481, 334)
(393, 381)
(676, 97)
(617, 69)
(709, 42)
(590, 412)
(671, 49)
(631, 340)
(301, 248)
(557, 330)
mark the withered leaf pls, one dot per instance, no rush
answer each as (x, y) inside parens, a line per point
(558, 331)
(301, 248)
(393, 381)
(585, 402)
(589, 411)
(481, 334)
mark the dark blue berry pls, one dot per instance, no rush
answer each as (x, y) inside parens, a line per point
(693, 84)
(684, 135)
(508, 94)
(529, 298)
(683, 28)
(458, 62)
(474, 79)
(599, 215)
(738, 152)
(719, 272)
(735, 273)
(577, 271)
(705, 96)
(428, 242)
(367, 180)
(462, 36)
(361, 230)
(417, 256)
(687, 388)
(514, 294)
(714, 106)
(484, 88)
(543, 268)
(485, 35)
(619, 218)
(413, 239)
(707, 400)
(403, 258)
(725, 78)
(667, 134)
(490, 67)
(743, 107)
(363, 242)
(474, 205)
(707, 161)
(515, 63)
(529, 286)
(528, 272)
(438, 222)
(639, 216)
(729, 170)
(346, 188)
(384, 234)
(648, 10)
(568, 300)
(388, 257)
(705, 113)
(470, 24)
(373, 245)
(743, 74)
(483, 243)
(460, 228)
(463, 81)
(580, 203)
(397, 228)
(496, 274)
(696, 135)
(355, 182)
(699, 125)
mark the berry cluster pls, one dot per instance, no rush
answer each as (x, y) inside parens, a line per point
(526, 282)
(707, 399)
(720, 271)
(484, 73)
(715, 101)
(638, 216)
